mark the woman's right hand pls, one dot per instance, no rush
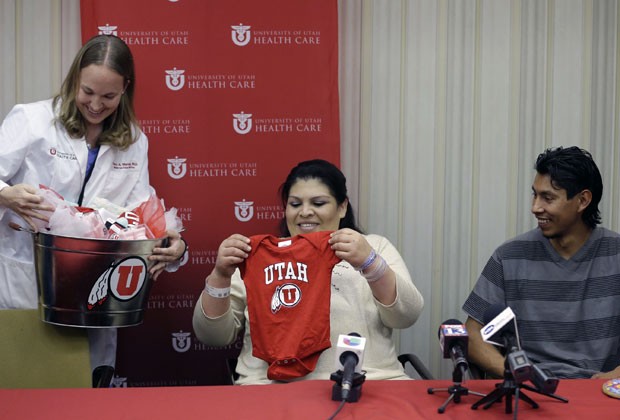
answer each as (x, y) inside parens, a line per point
(25, 202)
(232, 252)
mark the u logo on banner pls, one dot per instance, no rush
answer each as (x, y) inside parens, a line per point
(244, 210)
(181, 341)
(177, 168)
(108, 30)
(242, 123)
(119, 382)
(175, 79)
(241, 35)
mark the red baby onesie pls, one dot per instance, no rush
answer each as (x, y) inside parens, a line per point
(288, 285)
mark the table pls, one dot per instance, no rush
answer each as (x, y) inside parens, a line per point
(299, 400)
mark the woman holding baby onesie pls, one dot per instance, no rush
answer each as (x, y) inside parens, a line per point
(335, 280)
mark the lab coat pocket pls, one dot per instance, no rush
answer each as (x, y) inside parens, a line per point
(119, 185)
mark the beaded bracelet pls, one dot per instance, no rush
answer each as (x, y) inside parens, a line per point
(217, 292)
(378, 272)
(371, 259)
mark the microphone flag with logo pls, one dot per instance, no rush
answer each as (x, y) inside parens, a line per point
(453, 340)
(350, 344)
(500, 327)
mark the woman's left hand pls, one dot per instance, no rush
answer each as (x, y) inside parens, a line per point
(350, 246)
(164, 256)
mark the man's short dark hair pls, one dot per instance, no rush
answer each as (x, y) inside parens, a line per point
(574, 170)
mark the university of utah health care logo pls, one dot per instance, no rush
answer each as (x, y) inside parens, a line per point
(240, 34)
(175, 79)
(108, 30)
(244, 210)
(177, 168)
(181, 341)
(124, 280)
(119, 382)
(242, 122)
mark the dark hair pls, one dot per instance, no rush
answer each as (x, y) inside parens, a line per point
(112, 52)
(574, 170)
(328, 174)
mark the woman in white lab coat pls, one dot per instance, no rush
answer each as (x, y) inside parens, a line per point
(84, 143)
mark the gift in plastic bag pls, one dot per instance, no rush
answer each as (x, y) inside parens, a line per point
(152, 214)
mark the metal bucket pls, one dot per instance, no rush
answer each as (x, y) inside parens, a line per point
(86, 282)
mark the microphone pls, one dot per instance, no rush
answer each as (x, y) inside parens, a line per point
(349, 358)
(544, 380)
(500, 327)
(519, 366)
(453, 339)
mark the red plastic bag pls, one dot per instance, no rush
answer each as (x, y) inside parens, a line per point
(152, 214)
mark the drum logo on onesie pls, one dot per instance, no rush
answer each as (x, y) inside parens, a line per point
(287, 295)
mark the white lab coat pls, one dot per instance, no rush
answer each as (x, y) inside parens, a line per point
(35, 149)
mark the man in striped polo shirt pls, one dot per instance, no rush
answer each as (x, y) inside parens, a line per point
(561, 279)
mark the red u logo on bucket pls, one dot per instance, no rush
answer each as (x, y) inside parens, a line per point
(128, 277)
(124, 280)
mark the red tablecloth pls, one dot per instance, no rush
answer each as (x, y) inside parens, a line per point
(300, 400)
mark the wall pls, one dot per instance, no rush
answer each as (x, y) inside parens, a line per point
(454, 102)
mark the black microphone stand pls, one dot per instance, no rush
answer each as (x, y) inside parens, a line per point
(456, 390)
(356, 388)
(508, 388)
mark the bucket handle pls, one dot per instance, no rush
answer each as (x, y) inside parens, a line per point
(17, 227)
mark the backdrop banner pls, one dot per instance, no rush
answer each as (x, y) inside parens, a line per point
(231, 94)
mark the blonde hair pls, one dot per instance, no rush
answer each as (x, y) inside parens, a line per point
(120, 128)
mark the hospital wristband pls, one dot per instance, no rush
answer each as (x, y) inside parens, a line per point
(371, 259)
(378, 272)
(217, 292)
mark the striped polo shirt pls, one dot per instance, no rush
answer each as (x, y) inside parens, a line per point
(567, 311)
